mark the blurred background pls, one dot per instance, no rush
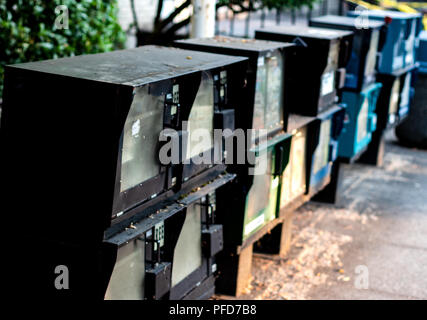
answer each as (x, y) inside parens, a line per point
(28, 31)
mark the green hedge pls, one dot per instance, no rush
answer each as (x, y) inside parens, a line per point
(28, 33)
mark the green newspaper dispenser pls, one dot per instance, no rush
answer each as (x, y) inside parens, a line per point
(249, 203)
(247, 208)
(261, 201)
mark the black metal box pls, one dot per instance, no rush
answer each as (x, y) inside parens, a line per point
(92, 125)
(166, 255)
(319, 59)
(369, 38)
(395, 97)
(264, 100)
(157, 280)
(212, 240)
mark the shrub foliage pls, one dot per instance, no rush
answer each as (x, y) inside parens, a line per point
(28, 32)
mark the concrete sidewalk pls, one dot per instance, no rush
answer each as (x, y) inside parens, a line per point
(379, 228)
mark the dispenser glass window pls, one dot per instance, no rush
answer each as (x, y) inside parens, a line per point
(260, 95)
(188, 250)
(127, 279)
(394, 97)
(293, 180)
(268, 108)
(274, 109)
(409, 44)
(371, 57)
(333, 56)
(321, 154)
(259, 194)
(404, 100)
(139, 161)
(362, 121)
(200, 122)
(352, 68)
(328, 78)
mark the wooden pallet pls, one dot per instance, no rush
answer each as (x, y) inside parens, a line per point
(273, 241)
(235, 264)
(374, 154)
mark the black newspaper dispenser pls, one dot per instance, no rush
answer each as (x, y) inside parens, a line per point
(317, 68)
(266, 79)
(95, 124)
(368, 41)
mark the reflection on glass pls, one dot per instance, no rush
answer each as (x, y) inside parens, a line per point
(362, 121)
(372, 53)
(127, 279)
(187, 255)
(268, 93)
(322, 150)
(259, 194)
(273, 112)
(404, 100)
(327, 83)
(293, 180)
(200, 121)
(352, 68)
(333, 56)
(140, 137)
(328, 77)
(394, 97)
(260, 95)
(409, 44)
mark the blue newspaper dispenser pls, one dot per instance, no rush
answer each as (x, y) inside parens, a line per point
(361, 123)
(401, 42)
